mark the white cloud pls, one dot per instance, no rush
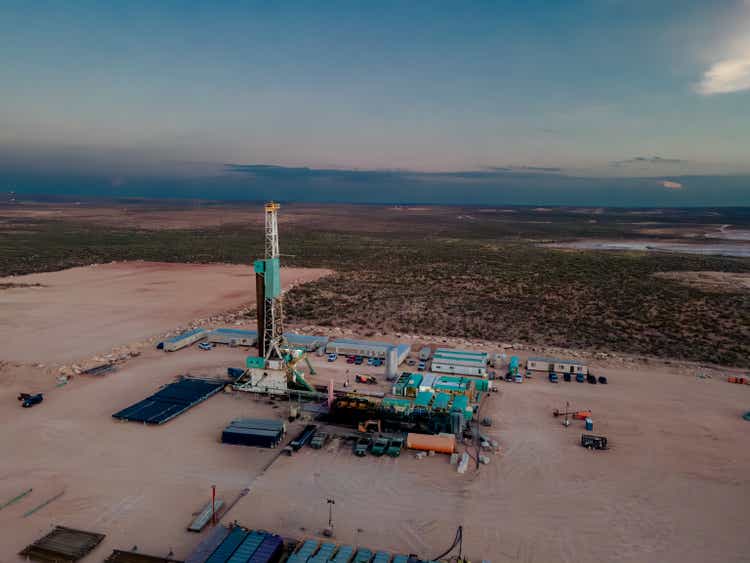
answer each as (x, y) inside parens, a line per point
(671, 185)
(730, 75)
(729, 69)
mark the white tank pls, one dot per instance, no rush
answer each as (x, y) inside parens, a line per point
(391, 363)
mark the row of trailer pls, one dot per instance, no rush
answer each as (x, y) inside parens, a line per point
(368, 349)
(238, 337)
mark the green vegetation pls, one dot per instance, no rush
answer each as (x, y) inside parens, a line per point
(480, 281)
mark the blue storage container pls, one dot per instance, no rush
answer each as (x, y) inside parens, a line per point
(324, 553)
(363, 556)
(589, 424)
(247, 548)
(344, 554)
(269, 551)
(304, 553)
(228, 546)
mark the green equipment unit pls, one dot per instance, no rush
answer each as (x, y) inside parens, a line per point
(423, 400)
(399, 387)
(255, 362)
(442, 402)
(461, 404)
(513, 366)
(396, 404)
(412, 386)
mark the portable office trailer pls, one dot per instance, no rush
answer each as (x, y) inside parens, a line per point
(441, 367)
(558, 366)
(185, 339)
(233, 337)
(305, 342)
(366, 348)
(482, 356)
(459, 360)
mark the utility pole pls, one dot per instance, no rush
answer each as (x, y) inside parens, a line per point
(329, 530)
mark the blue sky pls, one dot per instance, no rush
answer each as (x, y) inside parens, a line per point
(603, 89)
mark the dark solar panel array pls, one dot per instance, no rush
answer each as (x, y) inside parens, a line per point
(170, 401)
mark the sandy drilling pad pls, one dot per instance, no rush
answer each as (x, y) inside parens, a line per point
(672, 487)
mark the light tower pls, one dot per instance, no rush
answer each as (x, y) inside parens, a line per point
(268, 290)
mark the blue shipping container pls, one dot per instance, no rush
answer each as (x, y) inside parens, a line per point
(269, 551)
(228, 546)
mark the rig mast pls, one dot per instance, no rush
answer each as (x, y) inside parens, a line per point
(268, 290)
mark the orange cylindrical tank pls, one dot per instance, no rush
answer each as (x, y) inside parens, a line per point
(441, 443)
(732, 379)
(582, 415)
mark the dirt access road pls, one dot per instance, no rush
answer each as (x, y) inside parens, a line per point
(79, 312)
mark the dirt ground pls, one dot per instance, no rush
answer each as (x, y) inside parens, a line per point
(673, 487)
(79, 312)
(138, 484)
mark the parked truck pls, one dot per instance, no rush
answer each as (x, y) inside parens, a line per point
(379, 446)
(319, 440)
(394, 450)
(425, 353)
(593, 442)
(362, 445)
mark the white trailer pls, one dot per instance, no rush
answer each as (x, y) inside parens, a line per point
(459, 369)
(556, 365)
(233, 337)
(366, 348)
(185, 339)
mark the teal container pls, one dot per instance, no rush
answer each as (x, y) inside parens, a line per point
(481, 385)
(423, 400)
(255, 362)
(442, 402)
(397, 404)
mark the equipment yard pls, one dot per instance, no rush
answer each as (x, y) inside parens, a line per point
(269, 442)
(680, 441)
